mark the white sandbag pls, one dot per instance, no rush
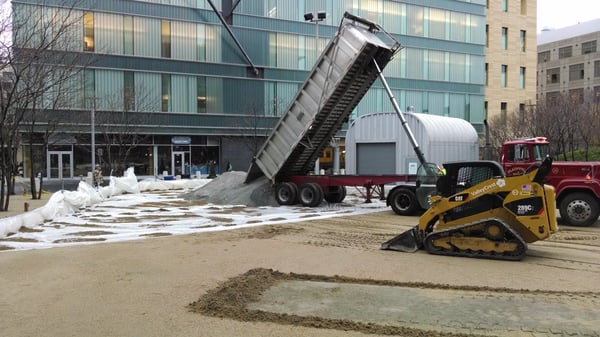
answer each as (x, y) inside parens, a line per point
(48, 211)
(75, 200)
(33, 219)
(154, 185)
(11, 225)
(126, 184)
(94, 195)
(64, 202)
(57, 206)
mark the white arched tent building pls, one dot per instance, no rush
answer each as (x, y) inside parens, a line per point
(376, 143)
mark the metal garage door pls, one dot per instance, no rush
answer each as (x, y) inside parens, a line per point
(376, 158)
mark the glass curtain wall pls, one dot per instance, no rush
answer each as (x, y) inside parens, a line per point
(150, 37)
(177, 65)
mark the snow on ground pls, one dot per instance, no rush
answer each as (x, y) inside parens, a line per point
(128, 210)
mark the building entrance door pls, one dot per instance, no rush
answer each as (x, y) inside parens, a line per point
(179, 162)
(60, 164)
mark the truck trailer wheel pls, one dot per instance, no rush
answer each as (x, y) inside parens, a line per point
(286, 193)
(403, 201)
(579, 209)
(335, 194)
(310, 195)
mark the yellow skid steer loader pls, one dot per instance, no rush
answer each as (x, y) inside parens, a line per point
(478, 212)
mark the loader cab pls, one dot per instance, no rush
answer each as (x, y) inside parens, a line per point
(428, 175)
(462, 175)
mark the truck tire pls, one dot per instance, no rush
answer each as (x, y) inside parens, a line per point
(310, 195)
(579, 209)
(335, 194)
(286, 193)
(403, 201)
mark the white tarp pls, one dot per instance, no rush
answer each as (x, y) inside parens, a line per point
(69, 202)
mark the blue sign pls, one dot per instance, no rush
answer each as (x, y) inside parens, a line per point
(181, 140)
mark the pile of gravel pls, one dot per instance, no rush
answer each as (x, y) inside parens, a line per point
(230, 189)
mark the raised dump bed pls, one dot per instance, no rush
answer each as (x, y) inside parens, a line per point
(340, 78)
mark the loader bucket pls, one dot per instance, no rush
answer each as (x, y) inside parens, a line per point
(408, 242)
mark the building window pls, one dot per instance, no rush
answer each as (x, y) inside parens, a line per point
(414, 20)
(486, 73)
(503, 112)
(522, 77)
(523, 40)
(201, 42)
(597, 68)
(544, 56)
(487, 35)
(522, 107)
(597, 95)
(505, 5)
(588, 47)
(128, 91)
(128, 35)
(576, 72)
(166, 92)
(553, 76)
(503, 76)
(576, 96)
(523, 7)
(165, 39)
(437, 23)
(485, 108)
(88, 31)
(552, 98)
(201, 94)
(504, 38)
(89, 88)
(565, 52)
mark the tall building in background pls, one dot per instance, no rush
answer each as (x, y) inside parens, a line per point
(202, 82)
(569, 62)
(510, 63)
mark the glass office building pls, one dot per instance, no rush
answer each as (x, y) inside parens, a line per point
(204, 81)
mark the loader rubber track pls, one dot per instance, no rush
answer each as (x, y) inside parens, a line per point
(473, 240)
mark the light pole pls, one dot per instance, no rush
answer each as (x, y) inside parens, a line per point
(93, 123)
(310, 17)
(93, 131)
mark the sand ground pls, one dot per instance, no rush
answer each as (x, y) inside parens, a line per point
(145, 287)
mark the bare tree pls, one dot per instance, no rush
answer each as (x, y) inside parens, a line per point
(588, 124)
(565, 119)
(515, 125)
(37, 56)
(254, 125)
(120, 126)
(560, 116)
(253, 132)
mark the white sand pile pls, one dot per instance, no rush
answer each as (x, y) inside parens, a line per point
(229, 189)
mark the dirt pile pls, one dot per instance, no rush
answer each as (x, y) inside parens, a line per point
(230, 189)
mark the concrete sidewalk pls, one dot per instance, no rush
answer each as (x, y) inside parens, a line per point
(17, 204)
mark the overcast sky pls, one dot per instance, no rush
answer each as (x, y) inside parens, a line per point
(562, 13)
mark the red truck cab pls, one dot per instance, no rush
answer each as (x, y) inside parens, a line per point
(577, 184)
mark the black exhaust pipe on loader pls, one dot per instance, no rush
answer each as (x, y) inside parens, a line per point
(408, 242)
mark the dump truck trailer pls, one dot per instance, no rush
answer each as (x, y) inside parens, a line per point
(342, 75)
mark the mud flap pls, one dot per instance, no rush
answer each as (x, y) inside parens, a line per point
(408, 242)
